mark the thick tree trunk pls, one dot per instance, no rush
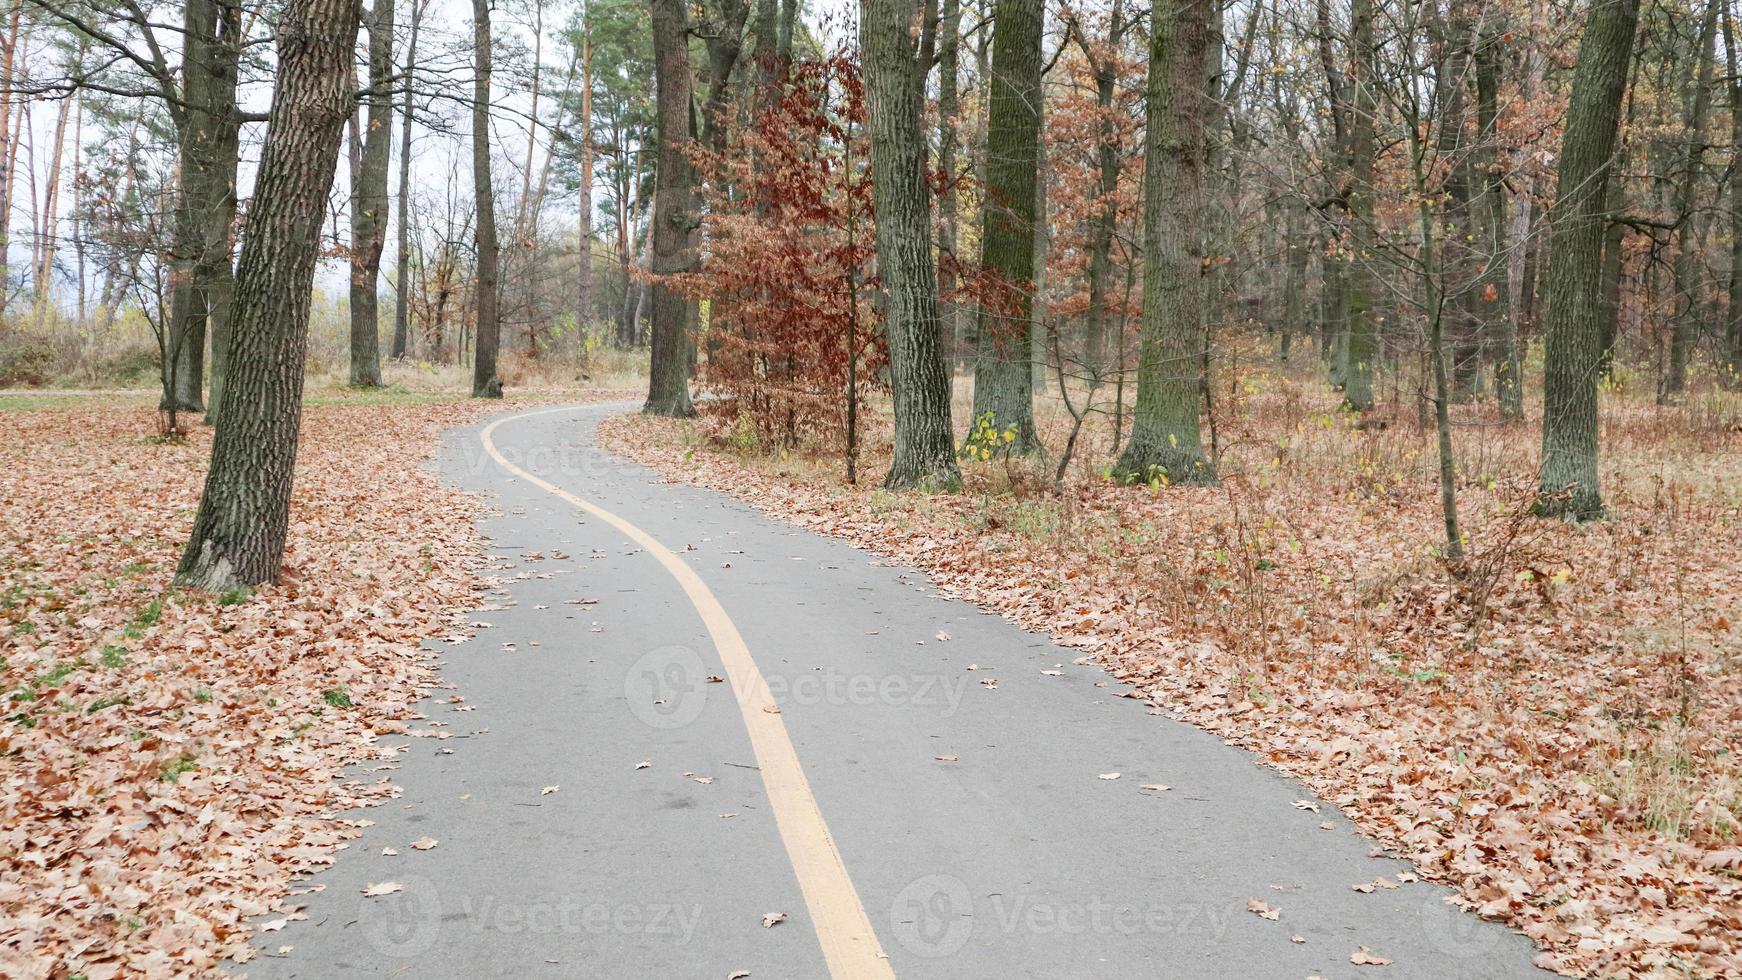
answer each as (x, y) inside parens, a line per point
(402, 258)
(239, 532)
(485, 383)
(1165, 439)
(369, 202)
(924, 454)
(1569, 424)
(674, 213)
(1687, 263)
(1003, 374)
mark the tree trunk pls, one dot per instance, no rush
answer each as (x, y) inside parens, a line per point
(1609, 303)
(949, 104)
(1687, 263)
(1106, 211)
(485, 383)
(402, 283)
(1731, 374)
(1569, 424)
(1003, 376)
(207, 132)
(924, 454)
(674, 213)
(9, 70)
(584, 231)
(1492, 294)
(239, 532)
(369, 202)
(1362, 345)
(1165, 440)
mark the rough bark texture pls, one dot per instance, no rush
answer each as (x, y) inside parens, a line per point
(1576, 222)
(244, 515)
(369, 202)
(1165, 439)
(674, 212)
(1003, 375)
(1687, 265)
(1731, 373)
(1609, 303)
(1362, 348)
(924, 454)
(1492, 293)
(208, 140)
(1106, 206)
(949, 104)
(402, 281)
(485, 383)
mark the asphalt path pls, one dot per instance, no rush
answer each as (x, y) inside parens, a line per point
(697, 742)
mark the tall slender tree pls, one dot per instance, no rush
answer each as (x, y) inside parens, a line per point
(1731, 373)
(369, 201)
(1569, 485)
(402, 258)
(1359, 282)
(1492, 297)
(1684, 333)
(244, 515)
(1165, 439)
(924, 454)
(1003, 379)
(485, 383)
(584, 194)
(674, 211)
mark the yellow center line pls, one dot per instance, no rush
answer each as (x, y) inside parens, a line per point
(849, 944)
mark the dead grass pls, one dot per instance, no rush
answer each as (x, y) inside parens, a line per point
(1551, 726)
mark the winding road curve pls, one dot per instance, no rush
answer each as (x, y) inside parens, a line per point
(742, 720)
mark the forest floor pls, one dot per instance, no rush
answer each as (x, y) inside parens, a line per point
(1550, 727)
(173, 759)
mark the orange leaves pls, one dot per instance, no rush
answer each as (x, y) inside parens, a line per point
(1538, 759)
(168, 731)
(788, 274)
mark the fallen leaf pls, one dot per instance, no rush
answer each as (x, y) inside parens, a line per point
(548, 790)
(1362, 956)
(773, 919)
(424, 843)
(1108, 775)
(1263, 909)
(374, 890)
